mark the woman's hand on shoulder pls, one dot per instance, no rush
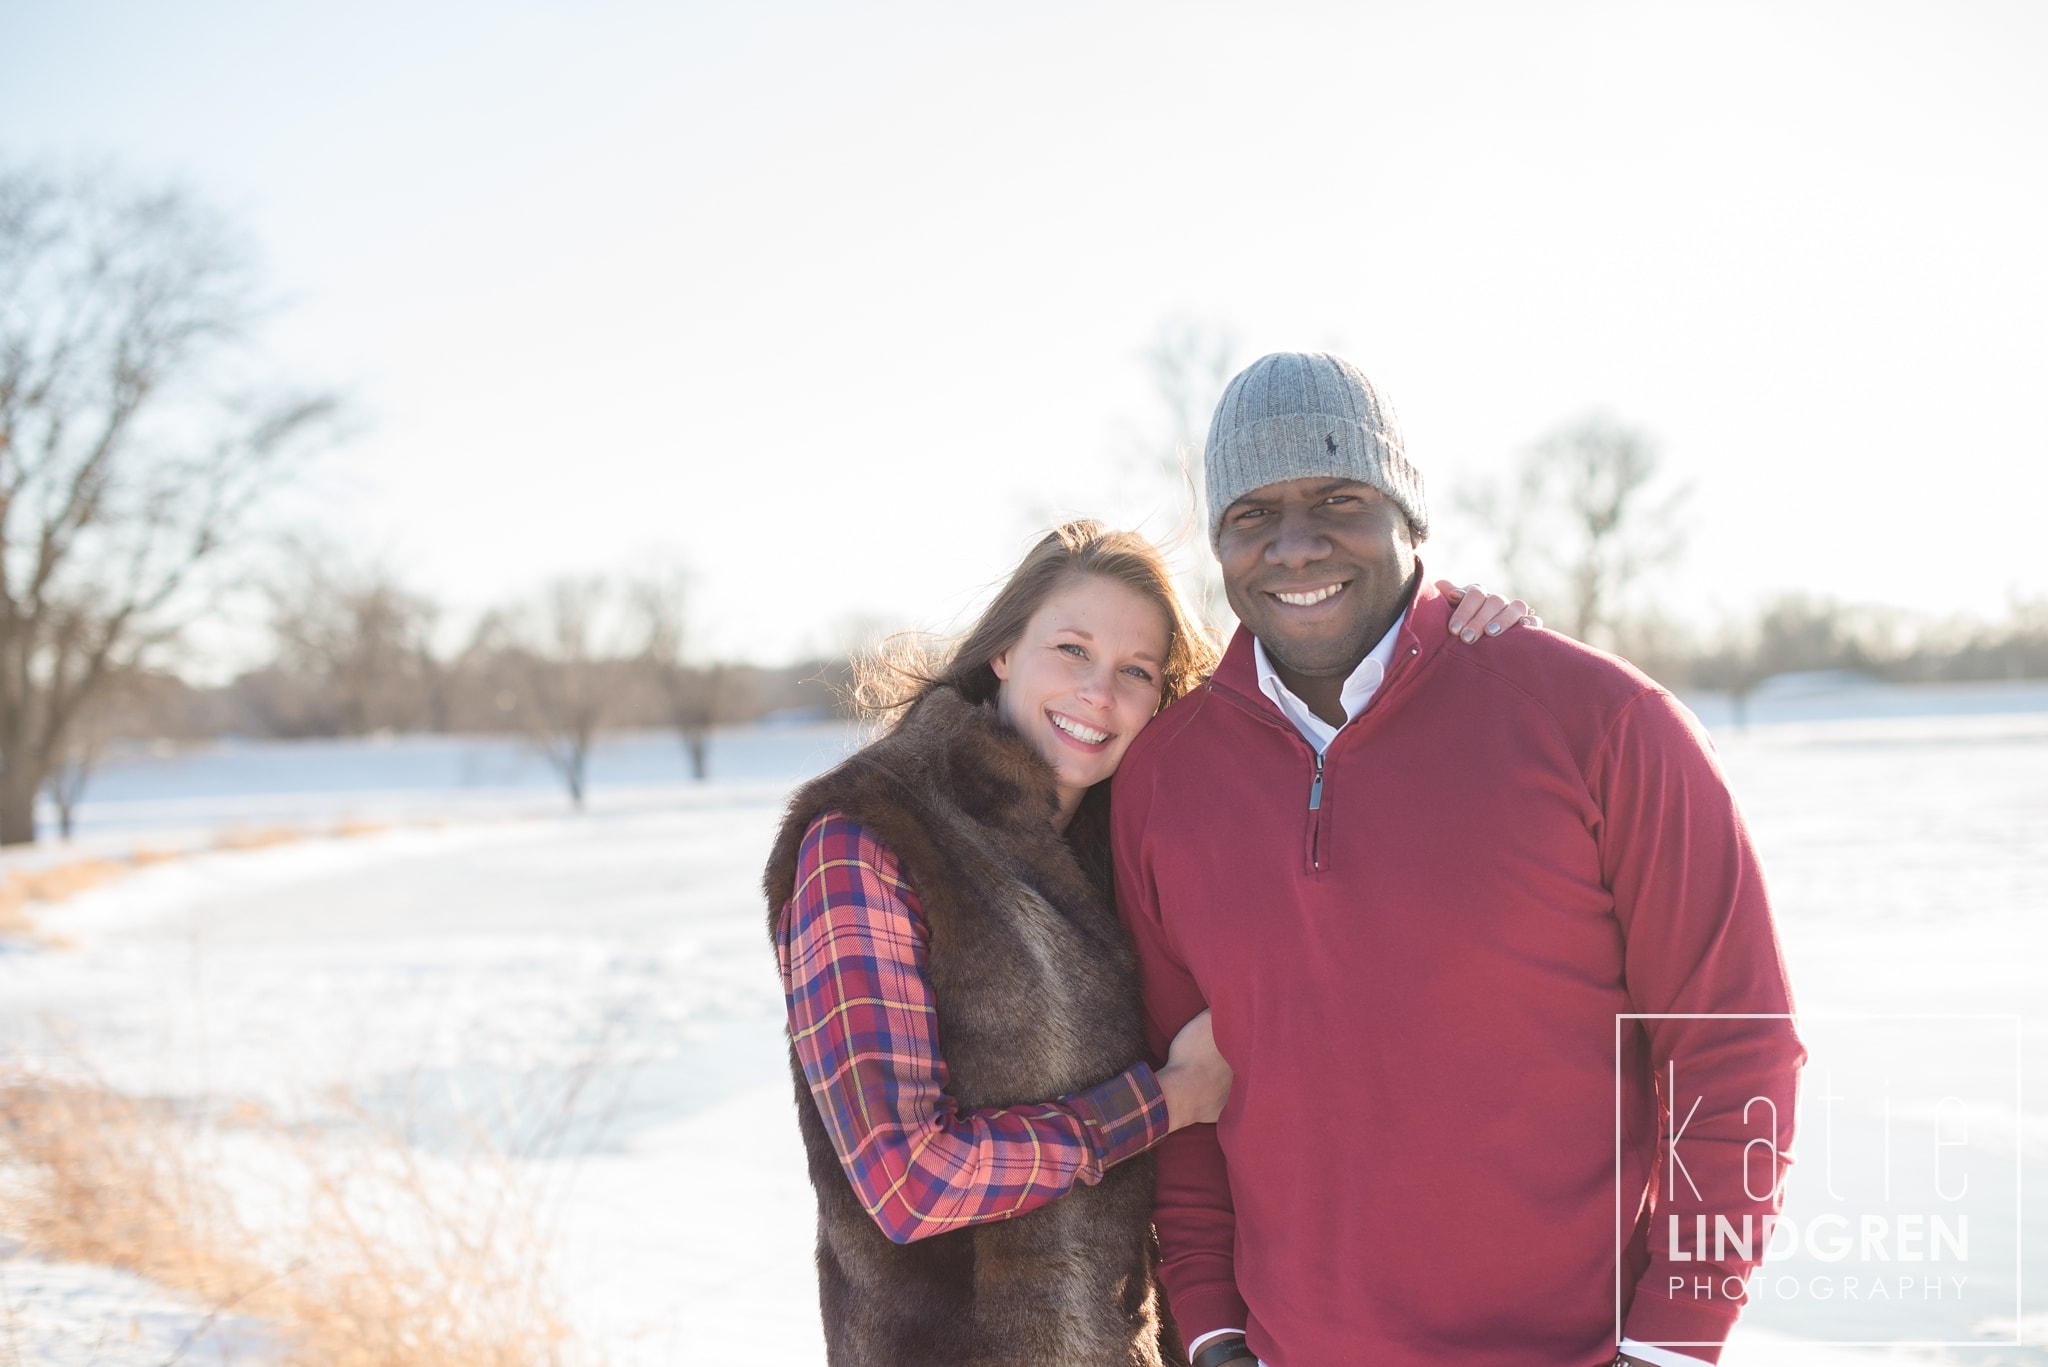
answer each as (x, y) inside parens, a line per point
(1196, 1079)
(1476, 613)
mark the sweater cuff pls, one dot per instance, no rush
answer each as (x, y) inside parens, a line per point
(1124, 1116)
(1204, 1310)
(1659, 1357)
(1660, 1320)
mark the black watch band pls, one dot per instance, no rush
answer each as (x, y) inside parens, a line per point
(1218, 1351)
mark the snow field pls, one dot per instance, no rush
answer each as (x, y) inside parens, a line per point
(595, 997)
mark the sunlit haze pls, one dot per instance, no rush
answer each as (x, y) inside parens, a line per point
(834, 305)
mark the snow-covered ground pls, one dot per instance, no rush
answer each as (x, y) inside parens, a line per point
(78, 1315)
(597, 994)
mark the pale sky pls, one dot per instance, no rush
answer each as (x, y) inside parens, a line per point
(835, 304)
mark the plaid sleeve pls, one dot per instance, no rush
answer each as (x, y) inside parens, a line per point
(851, 946)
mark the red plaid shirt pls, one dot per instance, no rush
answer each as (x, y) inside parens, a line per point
(851, 946)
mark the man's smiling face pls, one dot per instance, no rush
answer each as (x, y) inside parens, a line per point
(1318, 568)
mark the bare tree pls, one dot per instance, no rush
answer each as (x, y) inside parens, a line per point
(1580, 524)
(83, 745)
(133, 441)
(565, 667)
(695, 697)
(354, 650)
(1189, 362)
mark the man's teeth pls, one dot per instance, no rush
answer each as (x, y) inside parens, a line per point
(1307, 600)
(1079, 732)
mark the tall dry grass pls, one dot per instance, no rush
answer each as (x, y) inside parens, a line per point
(21, 887)
(354, 1249)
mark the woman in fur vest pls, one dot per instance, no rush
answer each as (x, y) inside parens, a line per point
(963, 1004)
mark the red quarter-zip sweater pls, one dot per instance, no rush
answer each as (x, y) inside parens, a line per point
(1447, 1140)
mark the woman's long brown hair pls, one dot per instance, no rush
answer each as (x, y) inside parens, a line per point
(904, 670)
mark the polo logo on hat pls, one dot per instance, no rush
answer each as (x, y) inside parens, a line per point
(1330, 442)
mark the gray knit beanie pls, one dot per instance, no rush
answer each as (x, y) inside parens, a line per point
(1298, 414)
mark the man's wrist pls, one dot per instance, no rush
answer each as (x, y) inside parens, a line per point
(1173, 1090)
(1633, 1353)
(1222, 1348)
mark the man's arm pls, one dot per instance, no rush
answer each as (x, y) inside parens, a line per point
(1196, 1222)
(1701, 950)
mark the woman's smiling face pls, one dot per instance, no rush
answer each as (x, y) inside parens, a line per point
(1083, 679)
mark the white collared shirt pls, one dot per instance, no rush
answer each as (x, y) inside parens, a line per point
(1358, 689)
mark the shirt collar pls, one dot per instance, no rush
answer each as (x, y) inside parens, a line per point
(1358, 689)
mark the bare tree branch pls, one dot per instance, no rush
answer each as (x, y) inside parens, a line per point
(127, 464)
(566, 660)
(1577, 525)
(695, 696)
(1189, 362)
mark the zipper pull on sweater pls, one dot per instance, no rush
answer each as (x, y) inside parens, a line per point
(1315, 792)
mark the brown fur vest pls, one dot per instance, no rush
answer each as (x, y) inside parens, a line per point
(1037, 997)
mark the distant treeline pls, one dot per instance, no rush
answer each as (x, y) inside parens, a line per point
(467, 695)
(357, 658)
(1797, 633)
(354, 653)
(1583, 522)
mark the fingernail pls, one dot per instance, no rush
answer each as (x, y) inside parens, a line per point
(1470, 636)
(1493, 628)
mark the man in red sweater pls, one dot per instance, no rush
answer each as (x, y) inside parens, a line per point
(1486, 940)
